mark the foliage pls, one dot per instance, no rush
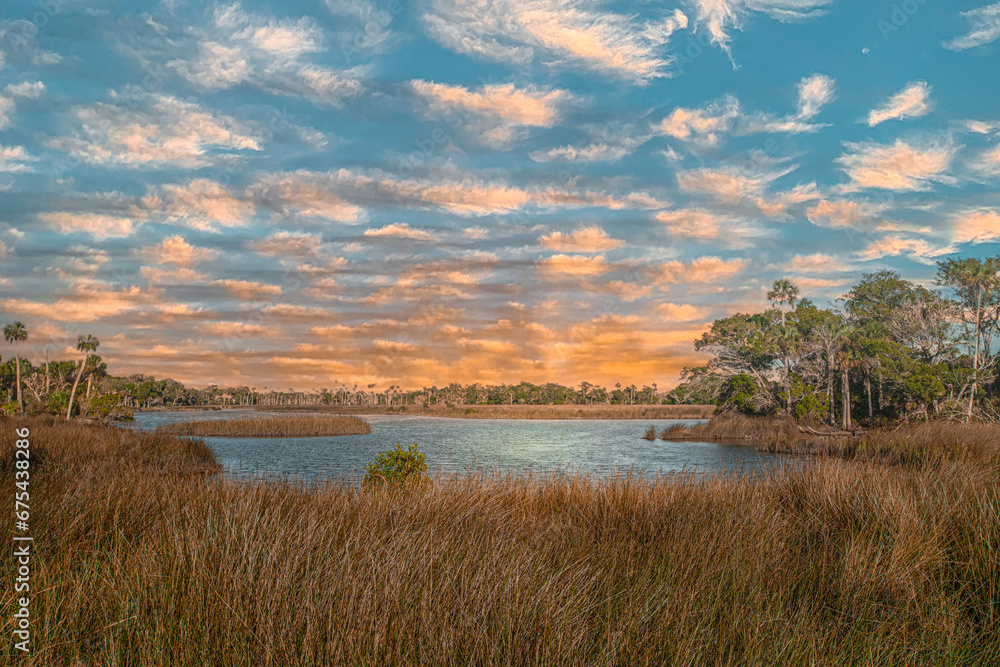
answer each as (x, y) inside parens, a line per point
(396, 466)
(109, 407)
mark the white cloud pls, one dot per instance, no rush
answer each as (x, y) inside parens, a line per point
(721, 17)
(495, 114)
(730, 184)
(815, 92)
(702, 126)
(911, 102)
(980, 225)
(175, 250)
(99, 226)
(587, 239)
(917, 249)
(277, 56)
(31, 90)
(985, 28)
(150, 130)
(400, 230)
(898, 166)
(556, 32)
(14, 159)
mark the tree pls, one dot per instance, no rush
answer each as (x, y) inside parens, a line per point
(977, 284)
(85, 344)
(16, 333)
(787, 340)
(831, 335)
(783, 293)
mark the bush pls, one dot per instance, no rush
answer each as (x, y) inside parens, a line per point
(469, 411)
(396, 467)
(108, 407)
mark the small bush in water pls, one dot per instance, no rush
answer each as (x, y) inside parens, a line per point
(396, 466)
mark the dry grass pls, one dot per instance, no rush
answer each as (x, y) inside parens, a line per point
(146, 558)
(732, 427)
(297, 426)
(519, 411)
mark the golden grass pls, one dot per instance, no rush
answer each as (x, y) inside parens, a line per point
(296, 426)
(519, 411)
(145, 557)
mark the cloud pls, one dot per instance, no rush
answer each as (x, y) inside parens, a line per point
(204, 204)
(681, 312)
(556, 32)
(911, 102)
(842, 213)
(98, 226)
(495, 114)
(985, 28)
(276, 56)
(815, 92)
(702, 126)
(988, 162)
(816, 263)
(249, 290)
(918, 249)
(595, 152)
(150, 130)
(707, 125)
(979, 225)
(721, 17)
(85, 303)
(575, 265)
(729, 184)
(31, 90)
(700, 270)
(461, 193)
(14, 159)
(288, 244)
(400, 230)
(310, 194)
(588, 239)
(899, 166)
(175, 250)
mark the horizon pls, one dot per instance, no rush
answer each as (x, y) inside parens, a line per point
(423, 193)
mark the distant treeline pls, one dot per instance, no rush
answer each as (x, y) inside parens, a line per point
(891, 350)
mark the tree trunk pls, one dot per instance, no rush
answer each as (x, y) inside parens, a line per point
(846, 399)
(975, 359)
(17, 361)
(868, 387)
(76, 382)
(89, 378)
(46, 371)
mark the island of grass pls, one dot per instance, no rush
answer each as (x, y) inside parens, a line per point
(882, 554)
(293, 426)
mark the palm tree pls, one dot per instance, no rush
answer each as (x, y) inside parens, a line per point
(85, 344)
(16, 333)
(783, 292)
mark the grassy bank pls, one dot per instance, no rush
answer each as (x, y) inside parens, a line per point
(518, 411)
(144, 556)
(293, 426)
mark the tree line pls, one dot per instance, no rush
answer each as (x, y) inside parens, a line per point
(84, 387)
(888, 349)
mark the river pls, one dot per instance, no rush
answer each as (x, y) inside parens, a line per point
(467, 445)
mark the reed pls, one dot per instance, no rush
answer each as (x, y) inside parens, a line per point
(296, 426)
(145, 556)
(569, 411)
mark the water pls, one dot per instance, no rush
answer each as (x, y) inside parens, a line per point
(467, 445)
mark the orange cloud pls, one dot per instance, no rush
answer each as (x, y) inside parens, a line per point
(588, 239)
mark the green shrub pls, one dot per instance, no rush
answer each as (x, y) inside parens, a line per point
(397, 466)
(108, 407)
(469, 411)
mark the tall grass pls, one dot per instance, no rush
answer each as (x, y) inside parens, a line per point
(572, 411)
(145, 557)
(300, 426)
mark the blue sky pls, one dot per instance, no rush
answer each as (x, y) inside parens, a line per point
(316, 192)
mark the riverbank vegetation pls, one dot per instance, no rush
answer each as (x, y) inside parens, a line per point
(292, 426)
(896, 351)
(525, 411)
(146, 556)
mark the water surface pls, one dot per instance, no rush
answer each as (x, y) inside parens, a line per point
(466, 445)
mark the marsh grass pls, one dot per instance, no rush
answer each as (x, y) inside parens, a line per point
(145, 556)
(569, 411)
(293, 426)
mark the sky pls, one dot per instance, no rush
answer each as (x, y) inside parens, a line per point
(316, 193)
